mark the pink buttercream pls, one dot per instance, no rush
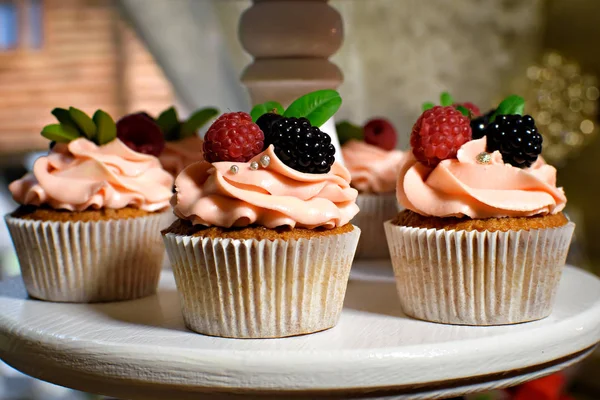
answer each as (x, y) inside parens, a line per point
(81, 175)
(179, 154)
(211, 195)
(463, 187)
(373, 170)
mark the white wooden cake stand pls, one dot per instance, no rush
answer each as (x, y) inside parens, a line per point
(142, 350)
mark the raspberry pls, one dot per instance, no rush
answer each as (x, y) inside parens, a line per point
(475, 112)
(517, 139)
(479, 124)
(381, 133)
(301, 146)
(265, 121)
(233, 137)
(141, 134)
(438, 134)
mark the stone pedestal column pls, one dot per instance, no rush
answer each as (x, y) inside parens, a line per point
(291, 42)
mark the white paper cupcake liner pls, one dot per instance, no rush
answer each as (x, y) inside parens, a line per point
(92, 261)
(261, 288)
(374, 211)
(478, 278)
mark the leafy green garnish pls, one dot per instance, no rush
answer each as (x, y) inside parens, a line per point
(317, 106)
(196, 121)
(60, 133)
(464, 111)
(169, 124)
(269, 106)
(446, 99)
(107, 129)
(347, 131)
(427, 106)
(513, 104)
(84, 123)
(74, 123)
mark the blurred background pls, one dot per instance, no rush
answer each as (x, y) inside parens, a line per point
(132, 55)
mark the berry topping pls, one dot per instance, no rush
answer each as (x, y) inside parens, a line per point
(438, 134)
(517, 139)
(472, 108)
(265, 121)
(301, 146)
(141, 134)
(381, 133)
(233, 137)
(479, 124)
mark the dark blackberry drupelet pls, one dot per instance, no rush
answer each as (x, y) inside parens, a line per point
(517, 139)
(301, 146)
(479, 124)
(265, 121)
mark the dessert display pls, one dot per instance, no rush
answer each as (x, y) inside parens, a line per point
(371, 157)
(87, 228)
(183, 146)
(263, 244)
(483, 239)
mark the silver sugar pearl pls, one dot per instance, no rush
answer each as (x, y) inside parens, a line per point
(253, 165)
(484, 158)
(265, 161)
(234, 169)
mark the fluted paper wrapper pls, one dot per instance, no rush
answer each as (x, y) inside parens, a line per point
(478, 278)
(261, 288)
(94, 261)
(374, 211)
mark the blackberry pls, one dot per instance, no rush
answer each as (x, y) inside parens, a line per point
(517, 139)
(265, 121)
(479, 124)
(301, 146)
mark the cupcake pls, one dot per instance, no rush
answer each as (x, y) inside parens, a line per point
(262, 247)
(483, 239)
(183, 145)
(370, 156)
(88, 226)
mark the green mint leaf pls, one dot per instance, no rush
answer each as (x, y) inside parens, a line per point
(464, 111)
(446, 99)
(84, 123)
(264, 108)
(513, 104)
(347, 131)
(196, 121)
(64, 117)
(427, 106)
(317, 106)
(60, 133)
(107, 129)
(169, 124)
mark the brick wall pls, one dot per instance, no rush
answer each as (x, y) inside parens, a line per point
(88, 59)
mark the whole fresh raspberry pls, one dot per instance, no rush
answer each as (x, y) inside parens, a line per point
(475, 111)
(301, 146)
(438, 134)
(141, 134)
(517, 139)
(381, 133)
(233, 137)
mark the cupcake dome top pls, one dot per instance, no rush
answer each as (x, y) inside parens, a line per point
(269, 174)
(499, 175)
(89, 167)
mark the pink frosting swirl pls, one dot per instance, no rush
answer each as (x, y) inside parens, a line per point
(373, 170)
(211, 195)
(179, 154)
(463, 187)
(81, 175)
